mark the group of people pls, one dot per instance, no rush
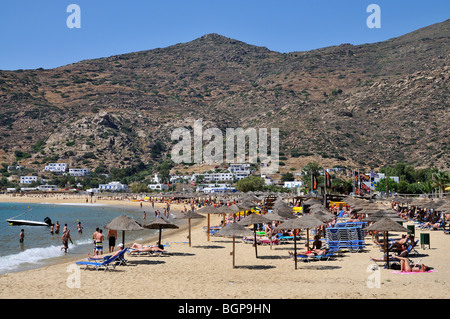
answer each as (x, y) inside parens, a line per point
(99, 238)
(432, 218)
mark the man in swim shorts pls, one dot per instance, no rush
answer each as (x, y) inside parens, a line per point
(99, 242)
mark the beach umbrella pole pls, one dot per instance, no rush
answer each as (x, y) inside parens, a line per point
(386, 250)
(295, 250)
(209, 225)
(234, 243)
(189, 232)
(123, 238)
(159, 242)
(256, 246)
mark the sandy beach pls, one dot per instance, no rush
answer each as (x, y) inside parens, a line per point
(204, 271)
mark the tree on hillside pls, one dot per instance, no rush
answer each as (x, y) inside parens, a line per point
(250, 184)
(312, 168)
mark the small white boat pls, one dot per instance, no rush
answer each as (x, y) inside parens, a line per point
(16, 222)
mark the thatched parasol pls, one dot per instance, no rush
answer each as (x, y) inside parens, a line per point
(306, 221)
(209, 210)
(234, 230)
(160, 224)
(123, 223)
(386, 225)
(254, 219)
(189, 215)
(249, 197)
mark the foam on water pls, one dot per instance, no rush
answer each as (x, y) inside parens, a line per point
(31, 257)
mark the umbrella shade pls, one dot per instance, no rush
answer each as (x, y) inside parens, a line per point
(189, 215)
(209, 210)
(377, 215)
(386, 225)
(306, 221)
(160, 224)
(284, 211)
(254, 219)
(123, 223)
(274, 216)
(250, 197)
(234, 230)
(322, 216)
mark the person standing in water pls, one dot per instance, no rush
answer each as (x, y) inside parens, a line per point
(65, 239)
(79, 228)
(22, 235)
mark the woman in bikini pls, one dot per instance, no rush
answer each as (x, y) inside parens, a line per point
(406, 267)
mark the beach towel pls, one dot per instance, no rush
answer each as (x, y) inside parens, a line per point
(412, 272)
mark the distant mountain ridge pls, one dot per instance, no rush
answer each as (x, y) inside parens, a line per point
(365, 105)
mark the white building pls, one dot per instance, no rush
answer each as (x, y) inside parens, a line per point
(293, 184)
(47, 188)
(219, 189)
(220, 177)
(78, 171)
(158, 187)
(56, 167)
(239, 168)
(112, 186)
(267, 180)
(213, 177)
(28, 179)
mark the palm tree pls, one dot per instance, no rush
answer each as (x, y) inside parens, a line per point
(441, 180)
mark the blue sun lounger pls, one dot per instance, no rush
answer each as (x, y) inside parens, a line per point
(107, 264)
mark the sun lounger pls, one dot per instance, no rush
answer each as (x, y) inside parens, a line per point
(151, 253)
(106, 264)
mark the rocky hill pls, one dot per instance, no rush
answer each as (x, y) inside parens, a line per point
(353, 105)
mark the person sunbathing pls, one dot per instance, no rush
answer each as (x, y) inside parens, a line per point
(141, 248)
(310, 253)
(402, 254)
(98, 257)
(405, 266)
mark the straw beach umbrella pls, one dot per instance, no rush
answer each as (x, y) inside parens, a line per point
(209, 210)
(160, 224)
(189, 215)
(254, 219)
(387, 225)
(306, 221)
(234, 230)
(124, 223)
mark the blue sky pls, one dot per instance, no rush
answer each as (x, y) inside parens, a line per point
(34, 33)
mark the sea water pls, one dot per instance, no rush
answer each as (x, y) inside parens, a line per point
(41, 248)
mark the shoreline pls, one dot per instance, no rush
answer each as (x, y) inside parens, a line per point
(82, 202)
(204, 271)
